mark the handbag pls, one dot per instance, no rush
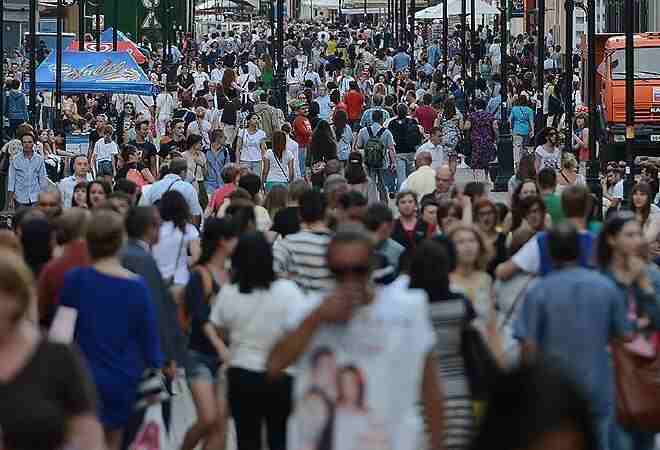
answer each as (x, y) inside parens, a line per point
(637, 389)
(481, 367)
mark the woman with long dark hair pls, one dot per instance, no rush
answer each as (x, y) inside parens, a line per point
(322, 149)
(178, 246)
(640, 205)
(254, 310)
(206, 350)
(97, 194)
(620, 256)
(429, 271)
(278, 163)
(343, 134)
(358, 180)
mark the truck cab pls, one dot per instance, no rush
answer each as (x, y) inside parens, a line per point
(611, 87)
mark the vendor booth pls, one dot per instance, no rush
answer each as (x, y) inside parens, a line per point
(94, 73)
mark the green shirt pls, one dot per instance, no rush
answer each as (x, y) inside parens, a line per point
(553, 205)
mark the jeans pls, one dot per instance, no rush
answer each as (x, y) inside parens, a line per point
(302, 154)
(632, 439)
(404, 166)
(254, 400)
(385, 181)
(252, 166)
(604, 426)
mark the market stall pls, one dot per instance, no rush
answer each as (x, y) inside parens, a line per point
(124, 45)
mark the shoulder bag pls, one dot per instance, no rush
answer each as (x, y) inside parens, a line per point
(481, 366)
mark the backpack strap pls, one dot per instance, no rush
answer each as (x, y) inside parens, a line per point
(370, 131)
(381, 132)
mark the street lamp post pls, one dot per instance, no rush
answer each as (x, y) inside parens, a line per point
(464, 40)
(568, 82)
(98, 25)
(81, 25)
(33, 61)
(445, 40)
(630, 95)
(540, 57)
(505, 141)
(2, 73)
(413, 36)
(58, 67)
(280, 76)
(115, 25)
(474, 47)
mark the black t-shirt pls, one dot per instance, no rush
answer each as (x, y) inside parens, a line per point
(199, 310)
(38, 401)
(93, 137)
(167, 147)
(286, 221)
(148, 151)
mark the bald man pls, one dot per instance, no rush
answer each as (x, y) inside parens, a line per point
(422, 180)
(444, 181)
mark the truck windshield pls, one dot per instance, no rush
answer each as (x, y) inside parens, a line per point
(647, 63)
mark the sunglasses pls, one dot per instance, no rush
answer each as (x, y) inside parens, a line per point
(359, 270)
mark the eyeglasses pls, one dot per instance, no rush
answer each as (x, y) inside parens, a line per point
(359, 270)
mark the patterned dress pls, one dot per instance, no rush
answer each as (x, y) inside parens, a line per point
(482, 138)
(448, 318)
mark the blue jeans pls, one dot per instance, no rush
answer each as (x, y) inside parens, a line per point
(302, 154)
(404, 166)
(252, 166)
(605, 432)
(632, 439)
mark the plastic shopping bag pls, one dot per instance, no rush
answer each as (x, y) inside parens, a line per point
(183, 411)
(152, 434)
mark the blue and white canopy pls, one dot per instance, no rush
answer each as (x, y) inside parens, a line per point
(94, 72)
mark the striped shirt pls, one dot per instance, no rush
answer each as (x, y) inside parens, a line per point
(301, 257)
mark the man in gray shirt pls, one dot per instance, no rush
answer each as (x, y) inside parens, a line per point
(27, 175)
(383, 175)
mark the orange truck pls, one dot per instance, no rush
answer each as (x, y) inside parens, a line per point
(611, 94)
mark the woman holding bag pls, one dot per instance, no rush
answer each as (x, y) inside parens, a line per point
(206, 350)
(619, 250)
(108, 312)
(278, 163)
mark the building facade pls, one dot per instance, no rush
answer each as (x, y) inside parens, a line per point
(16, 20)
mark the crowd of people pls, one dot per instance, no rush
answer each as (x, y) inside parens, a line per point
(319, 274)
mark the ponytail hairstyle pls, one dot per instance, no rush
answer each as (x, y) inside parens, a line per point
(215, 231)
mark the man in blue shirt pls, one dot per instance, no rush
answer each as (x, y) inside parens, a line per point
(569, 318)
(434, 53)
(401, 61)
(27, 175)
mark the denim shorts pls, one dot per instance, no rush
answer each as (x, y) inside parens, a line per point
(202, 367)
(104, 168)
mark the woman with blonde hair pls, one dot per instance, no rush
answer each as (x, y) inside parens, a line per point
(470, 277)
(568, 174)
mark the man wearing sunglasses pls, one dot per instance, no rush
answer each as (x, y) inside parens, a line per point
(379, 338)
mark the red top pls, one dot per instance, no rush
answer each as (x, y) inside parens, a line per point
(302, 130)
(51, 280)
(220, 195)
(426, 116)
(354, 103)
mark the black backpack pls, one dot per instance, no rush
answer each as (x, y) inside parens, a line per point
(406, 135)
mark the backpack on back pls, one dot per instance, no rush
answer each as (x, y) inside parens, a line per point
(374, 149)
(406, 135)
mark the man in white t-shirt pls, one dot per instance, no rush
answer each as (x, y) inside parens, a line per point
(548, 154)
(104, 155)
(350, 348)
(613, 187)
(218, 71)
(434, 147)
(165, 105)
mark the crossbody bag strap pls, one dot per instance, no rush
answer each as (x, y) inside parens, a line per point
(288, 180)
(519, 297)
